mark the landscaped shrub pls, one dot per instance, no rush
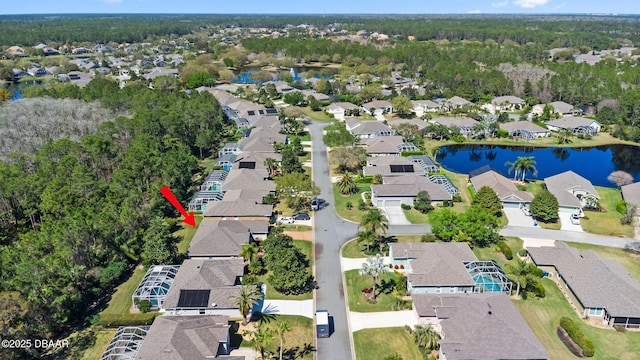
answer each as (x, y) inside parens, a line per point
(349, 205)
(457, 198)
(409, 153)
(405, 206)
(363, 179)
(539, 290)
(621, 207)
(505, 249)
(115, 320)
(428, 237)
(522, 252)
(143, 305)
(588, 349)
(362, 206)
(249, 279)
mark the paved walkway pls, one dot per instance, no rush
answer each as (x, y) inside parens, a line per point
(382, 319)
(288, 307)
(395, 215)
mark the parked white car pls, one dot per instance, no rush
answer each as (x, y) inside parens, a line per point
(575, 219)
(285, 220)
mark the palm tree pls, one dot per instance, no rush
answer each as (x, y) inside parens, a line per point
(426, 337)
(366, 237)
(282, 328)
(249, 252)
(374, 267)
(377, 179)
(522, 166)
(347, 185)
(564, 136)
(260, 337)
(246, 297)
(272, 166)
(375, 222)
(520, 272)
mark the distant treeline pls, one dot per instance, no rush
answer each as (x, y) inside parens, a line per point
(596, 32)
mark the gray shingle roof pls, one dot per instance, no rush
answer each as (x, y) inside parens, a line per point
(507, 99)
(571, 122)
(506, 190)
(184, 338)
(564, 184)
(480, 326)
(238, 209)
(218, 275)
(455, 121)
(436, 264)
(523, 125)
(410, 186)
(382, 144)
(248, 179)
(631, 193)
(219, 238)
(594, 281)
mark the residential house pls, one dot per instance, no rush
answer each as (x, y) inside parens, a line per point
(402, 189)
(598, 288)
(478, 326)
(159, 71)
(238, 210)
(465, 124)
(426, 163)
(368, 129)
(205, 287)
(421, 124)
(340, 109)
(387, 145)
(378, 107)
(524, 130)
(15, 51)
(631, 195)
(222, 238)
(455, 102)
(577, 125)
(319, 96)
(446, 268)
(572, 191)
(508, 193)
(559, 107)
(247, 178)
(391, 166)
(508, 103)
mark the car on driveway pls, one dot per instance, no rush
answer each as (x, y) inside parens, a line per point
(286, 220)
(301, 216)
(526, 211)
(575, 219)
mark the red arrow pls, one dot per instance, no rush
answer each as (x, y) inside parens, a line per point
(189, 218)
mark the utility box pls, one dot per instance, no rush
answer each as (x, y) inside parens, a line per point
(322, 323)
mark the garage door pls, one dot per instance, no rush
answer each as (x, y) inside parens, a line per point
(396, 203)
(511, 205)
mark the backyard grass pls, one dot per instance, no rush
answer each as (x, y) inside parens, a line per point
(543, 316)
(298, 343)
(383, 342)
(185, 234)
(490, 253)
(416, 217)
(273, 294)
(628, 259)
(103, 338)
(385, 300)
(318, 115)
(606, 222)
(341, 201)
(120, 302)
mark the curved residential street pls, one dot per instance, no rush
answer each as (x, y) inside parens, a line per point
(331, 232)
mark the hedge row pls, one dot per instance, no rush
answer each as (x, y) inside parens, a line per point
(588, 349)
(505, 249)
(115, 320)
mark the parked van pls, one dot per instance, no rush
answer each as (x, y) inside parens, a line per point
(322, 323)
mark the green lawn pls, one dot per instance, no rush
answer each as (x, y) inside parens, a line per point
(606, 222)
(385, 299)
(120, 302)
(416, 217)
(341, 203)
(543, 316)
(489, 253)
(103, 338)
(298, 343)
(297, 227)
(318, 115)
(273, 294)
(186, 234)
(380, 343)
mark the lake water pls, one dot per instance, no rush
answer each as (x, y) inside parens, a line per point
(243, 77)
(593, 163)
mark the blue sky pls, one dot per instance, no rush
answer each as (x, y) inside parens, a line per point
(322, 6)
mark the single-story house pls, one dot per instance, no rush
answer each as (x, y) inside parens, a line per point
(507, 103)
(424, 106)
(248, 179)
(465, 124)
(525, 130)
(159, 71)
(225, 238)
(572, 191)
(446, 268)
(262, 140)
(397, 190)
(455, 102)
(426, 163)
(377, 107)
(368, 129)
(577, 125)
(391, 166)
(631, 195)
(387, 145)
(598, 288)
(340, 109)
(238, 210)
(559, 107)
(478, 326)
(506, 190)
(421, 124)
(187, 337)
(319, 96)
(205, 287)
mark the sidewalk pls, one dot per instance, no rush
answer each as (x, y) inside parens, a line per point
(382, 319)
(351, 264)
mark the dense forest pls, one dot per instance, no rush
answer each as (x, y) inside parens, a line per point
(76, 215)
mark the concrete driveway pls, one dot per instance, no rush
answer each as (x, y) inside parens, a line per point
(288, 307)
(565, 221)
(395, 215)
(382, 319)
(517, 218)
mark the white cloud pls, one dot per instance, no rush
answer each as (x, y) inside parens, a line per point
(500, 4)
(474, 12)
(529, 4)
